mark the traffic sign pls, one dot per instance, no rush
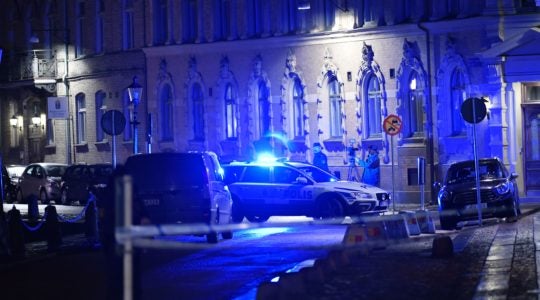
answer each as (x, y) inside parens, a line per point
(392, 124)
(479, 113)
(113, 122)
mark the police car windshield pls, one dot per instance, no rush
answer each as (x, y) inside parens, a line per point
(315, 173)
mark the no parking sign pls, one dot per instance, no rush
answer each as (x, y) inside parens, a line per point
(392, 124)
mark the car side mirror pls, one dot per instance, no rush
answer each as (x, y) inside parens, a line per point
(513, 175)
(437, 185)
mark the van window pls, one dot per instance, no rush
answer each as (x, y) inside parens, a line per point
(166, 171)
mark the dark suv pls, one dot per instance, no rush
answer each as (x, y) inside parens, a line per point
(181, 188)
(457, 196)
(79, 180)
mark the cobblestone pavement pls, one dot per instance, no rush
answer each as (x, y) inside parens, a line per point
(495, 261)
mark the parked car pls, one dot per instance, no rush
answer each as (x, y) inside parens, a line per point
(14, 172)
(264, 189)
(80, 179)
(8, 187)
(457, 196)
(181, 188)
(41, 180)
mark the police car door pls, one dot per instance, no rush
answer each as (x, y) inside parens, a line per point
(292, 196)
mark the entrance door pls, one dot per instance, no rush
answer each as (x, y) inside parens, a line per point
(532, 149)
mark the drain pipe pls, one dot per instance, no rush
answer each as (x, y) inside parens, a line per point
(429, 112)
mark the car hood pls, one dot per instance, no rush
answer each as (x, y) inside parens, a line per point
(351, 186)
(471, 185)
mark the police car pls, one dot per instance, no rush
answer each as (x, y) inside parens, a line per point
(274, 188)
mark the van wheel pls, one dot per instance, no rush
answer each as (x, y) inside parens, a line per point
(237, 211)
(43, 197)
(64, 197)
(330, 209)
(258, 219)
(212, 237)
(227, 235)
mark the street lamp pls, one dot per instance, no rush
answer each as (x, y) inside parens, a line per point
(13, 121)
(36, 120)
(135, 92)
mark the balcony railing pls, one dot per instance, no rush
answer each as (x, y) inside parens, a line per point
(34, 64)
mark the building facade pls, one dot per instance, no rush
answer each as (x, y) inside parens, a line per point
(240, 77)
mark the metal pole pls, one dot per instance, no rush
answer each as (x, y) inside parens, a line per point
(128, 244)
(113, 142)
(393, 182)
(135, 130)
(476, 165)
(66, 83)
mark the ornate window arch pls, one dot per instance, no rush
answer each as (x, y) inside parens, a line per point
(330, 102)
(371, 103)
(164, 92)
(227, 95)
(453, 89)
(259, 103)
(195, 114)
(100, 108)
(412, 94)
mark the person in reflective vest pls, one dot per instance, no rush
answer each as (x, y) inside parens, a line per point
(371, 167)
(319, 158)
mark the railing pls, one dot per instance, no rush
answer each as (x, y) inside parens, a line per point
(33, 64)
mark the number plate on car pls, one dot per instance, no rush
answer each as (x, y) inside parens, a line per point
(474, 206)
(151, 202)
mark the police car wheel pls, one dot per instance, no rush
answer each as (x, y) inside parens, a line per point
(330, 209)
(237, 214)
(212, 237)
(257, 219)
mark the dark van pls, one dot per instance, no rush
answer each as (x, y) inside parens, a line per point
(181, 188)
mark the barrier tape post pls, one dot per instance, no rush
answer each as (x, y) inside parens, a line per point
(90, 220)
(33, 209)
(127, 188)
(15, 233)
(52, 226)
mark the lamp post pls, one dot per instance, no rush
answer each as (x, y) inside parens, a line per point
(13, 121)
(135, 92)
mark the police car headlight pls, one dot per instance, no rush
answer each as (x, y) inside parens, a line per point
(360, 195)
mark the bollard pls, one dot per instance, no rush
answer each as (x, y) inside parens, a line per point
(90, 222)
(442, 247)
(52, 227)
(33, 209)
(15, 233)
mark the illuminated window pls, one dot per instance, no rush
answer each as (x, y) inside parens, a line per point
(100, 10)
(372, 98)
(166, 113)
(197, 98)
(190, 23)
(127, 25)
(79, 29)
(81, 118)
(334, 97)
(100, 109)
(230, 113)
(298, 108)
(458, 95)
(264, 110)
(415, 111)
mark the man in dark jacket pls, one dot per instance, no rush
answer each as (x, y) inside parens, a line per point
(319, 159)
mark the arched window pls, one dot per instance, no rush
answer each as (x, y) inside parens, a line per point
(264, 110)
(298, 108)
(160, 20)
(230, 113)
(80, 103)
(100, 109)
(79, 29)
(373, 96)
(127, 25)
(334, 99)
(166, 113)
(415, 109)
(457, 94)
(197, 98)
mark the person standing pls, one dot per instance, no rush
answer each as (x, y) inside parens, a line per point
(319, 158)
(371, 167)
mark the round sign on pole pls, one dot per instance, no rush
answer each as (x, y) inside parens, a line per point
(392, 125)
(468, 112)
(113, 122)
